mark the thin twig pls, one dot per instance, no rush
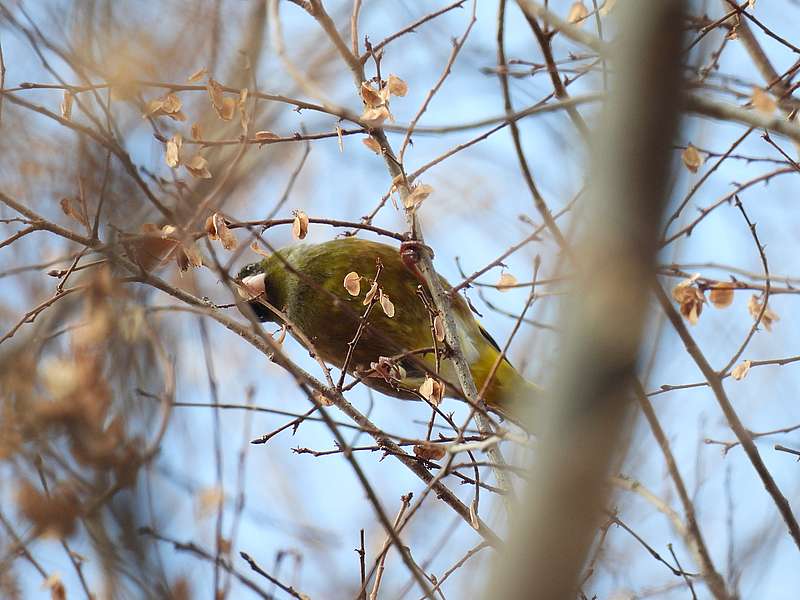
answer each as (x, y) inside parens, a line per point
(685, 576)
(767, 283)
(781, 448)
(457, 45)
(675, 571)
(404, 503)
(714, 580)
(715, 382)
(409, 29)
(192, 548)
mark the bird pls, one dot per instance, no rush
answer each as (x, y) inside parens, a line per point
(323, 290)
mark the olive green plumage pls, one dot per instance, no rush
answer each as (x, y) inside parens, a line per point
(310, 291)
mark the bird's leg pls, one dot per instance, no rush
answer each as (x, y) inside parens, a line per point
(411, 253)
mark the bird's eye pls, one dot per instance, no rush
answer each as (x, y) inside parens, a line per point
(248, 270)
(253, 286)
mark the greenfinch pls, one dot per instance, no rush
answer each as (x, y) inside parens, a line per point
(325, 289)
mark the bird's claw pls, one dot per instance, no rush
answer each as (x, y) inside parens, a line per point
(411, 252)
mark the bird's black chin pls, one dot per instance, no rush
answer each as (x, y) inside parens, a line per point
(262, 312)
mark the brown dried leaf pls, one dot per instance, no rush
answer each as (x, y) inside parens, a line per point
(208, 501)
(418, 194)
(173, 154)
(191, 257)
(155, 246)
(150, 250)
(371, 143)
(429, 451)
(396, 86)
(244, 117)
(217, 228)
(72, 212)
(321, 398)
(196, 133)
(754, 306)
(741, 370)
(388, 369)
(763, 101)
(426, 389)
(182, 260)
(56, 587)
(352, 283)
(677, 291)
(432, 390)
(385, 94)
(257, 249)
(171, 104)
(265, 136)
(371, 293)
(94, 330)
(198, 75)
(506, 282)
(769, 317)
(228, 108)
(215, 93)
(397, 182)
(224, 545)
(371, 97)
(690, 298)
(721, 295)
(438, 328)
(211, 230)
(300, 225)
(691, 158)
(577, 12)
(374, 117)
(386, 304)
(153, 106)
(692, 306)
(340, 138)
(66, 105)
(168, 105)
(53, 515)
(198, 167)
(226, 236)
(61, 378)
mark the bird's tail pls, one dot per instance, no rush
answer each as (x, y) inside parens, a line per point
(508, 393)
(520, 403)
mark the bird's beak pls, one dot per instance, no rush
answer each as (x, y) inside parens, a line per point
(252, 287)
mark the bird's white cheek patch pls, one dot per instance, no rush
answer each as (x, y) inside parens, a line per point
(252, 286)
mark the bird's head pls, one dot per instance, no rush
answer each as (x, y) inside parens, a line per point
(255, 288)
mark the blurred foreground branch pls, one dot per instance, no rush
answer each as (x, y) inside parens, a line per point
(590, 405)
